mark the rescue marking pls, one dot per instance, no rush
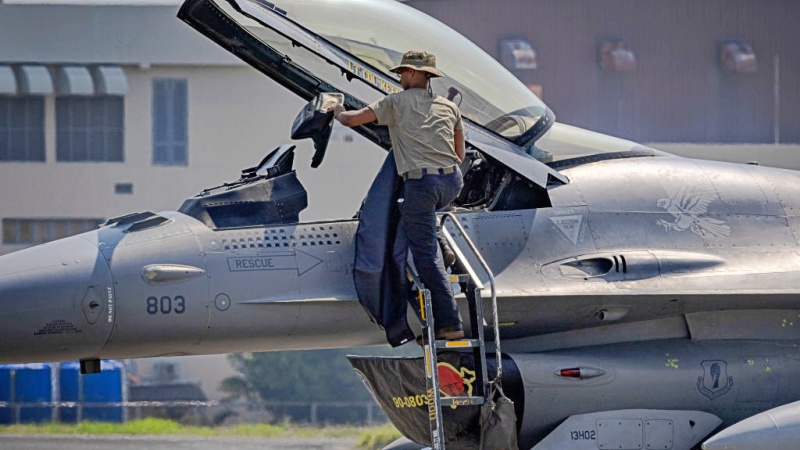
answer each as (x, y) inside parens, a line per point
(294, 260)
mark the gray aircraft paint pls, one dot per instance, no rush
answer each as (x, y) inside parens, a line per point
(675, 278)
(776, 429)
(292, 288)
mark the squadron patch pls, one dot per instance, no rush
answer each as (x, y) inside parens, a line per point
(715, 381)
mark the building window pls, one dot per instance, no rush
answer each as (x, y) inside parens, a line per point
(89, 128)
(737, 56)
(22, 128)
(170, 122)
(38, 231)
(123, 188)
(615, 56)
(517, 54)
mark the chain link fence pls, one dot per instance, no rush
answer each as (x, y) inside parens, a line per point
(191, 412)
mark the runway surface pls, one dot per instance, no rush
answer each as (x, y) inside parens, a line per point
(69, 442)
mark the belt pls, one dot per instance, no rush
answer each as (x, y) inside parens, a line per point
(416, 174)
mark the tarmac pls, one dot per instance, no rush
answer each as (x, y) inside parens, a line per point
(72, 442)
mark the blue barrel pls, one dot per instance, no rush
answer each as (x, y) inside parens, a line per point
(108, 386)
(26, 383)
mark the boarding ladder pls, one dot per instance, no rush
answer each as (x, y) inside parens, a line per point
(476, 342)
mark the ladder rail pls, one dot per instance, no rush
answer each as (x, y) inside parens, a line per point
(433, 395)
(474, 283)
(460, 257)
(477, 254)
(436, 424)
(476, 319)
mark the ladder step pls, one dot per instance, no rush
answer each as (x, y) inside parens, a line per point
(461, 343)
(461, 401)
(459, 278)
(470, 285)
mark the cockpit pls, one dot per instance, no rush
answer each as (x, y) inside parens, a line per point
(270, 193)
(378, 33)
(516, 150)
(348, 46)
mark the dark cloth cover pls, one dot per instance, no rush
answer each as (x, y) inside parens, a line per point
(316, 124)
(381, 252)
(498, 421)
(398, 386)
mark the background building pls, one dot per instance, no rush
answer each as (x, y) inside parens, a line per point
(112, 109)
(675, 71)
(107, 110)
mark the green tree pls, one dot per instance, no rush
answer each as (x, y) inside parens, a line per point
(302, 376)
(311, 375)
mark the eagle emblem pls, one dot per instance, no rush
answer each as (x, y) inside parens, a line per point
(688, 204)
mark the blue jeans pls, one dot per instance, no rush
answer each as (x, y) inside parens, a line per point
(422, 198)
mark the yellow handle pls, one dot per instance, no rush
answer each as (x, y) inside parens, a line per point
(422, 305)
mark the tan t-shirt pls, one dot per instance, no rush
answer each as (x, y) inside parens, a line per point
(421, 128)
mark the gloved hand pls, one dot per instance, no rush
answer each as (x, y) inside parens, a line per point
(338, 109)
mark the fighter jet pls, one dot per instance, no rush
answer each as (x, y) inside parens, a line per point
(644, 300)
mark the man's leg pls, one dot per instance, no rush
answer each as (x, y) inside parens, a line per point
(448, 255)
(420, 202)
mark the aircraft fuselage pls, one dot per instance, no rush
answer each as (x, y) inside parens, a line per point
(609, 245)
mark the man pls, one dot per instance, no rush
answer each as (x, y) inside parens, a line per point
(428, 142)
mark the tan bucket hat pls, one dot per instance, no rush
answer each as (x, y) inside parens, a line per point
(419, 60)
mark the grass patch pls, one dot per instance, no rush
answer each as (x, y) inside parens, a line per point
(378, 437)
(368, 437)
(134, 427)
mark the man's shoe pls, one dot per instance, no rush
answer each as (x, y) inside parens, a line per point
(445, 334)
(449, 333)
(448, 255)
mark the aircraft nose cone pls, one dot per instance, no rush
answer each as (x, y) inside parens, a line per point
(55, 302)
(776, 429)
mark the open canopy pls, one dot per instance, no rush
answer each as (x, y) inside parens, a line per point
(349, 46)
(377, 33)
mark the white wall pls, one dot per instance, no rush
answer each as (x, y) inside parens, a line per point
(236, 116)
(103, 34)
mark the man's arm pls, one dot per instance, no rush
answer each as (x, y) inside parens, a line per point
(354, 118)
(458, 138)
